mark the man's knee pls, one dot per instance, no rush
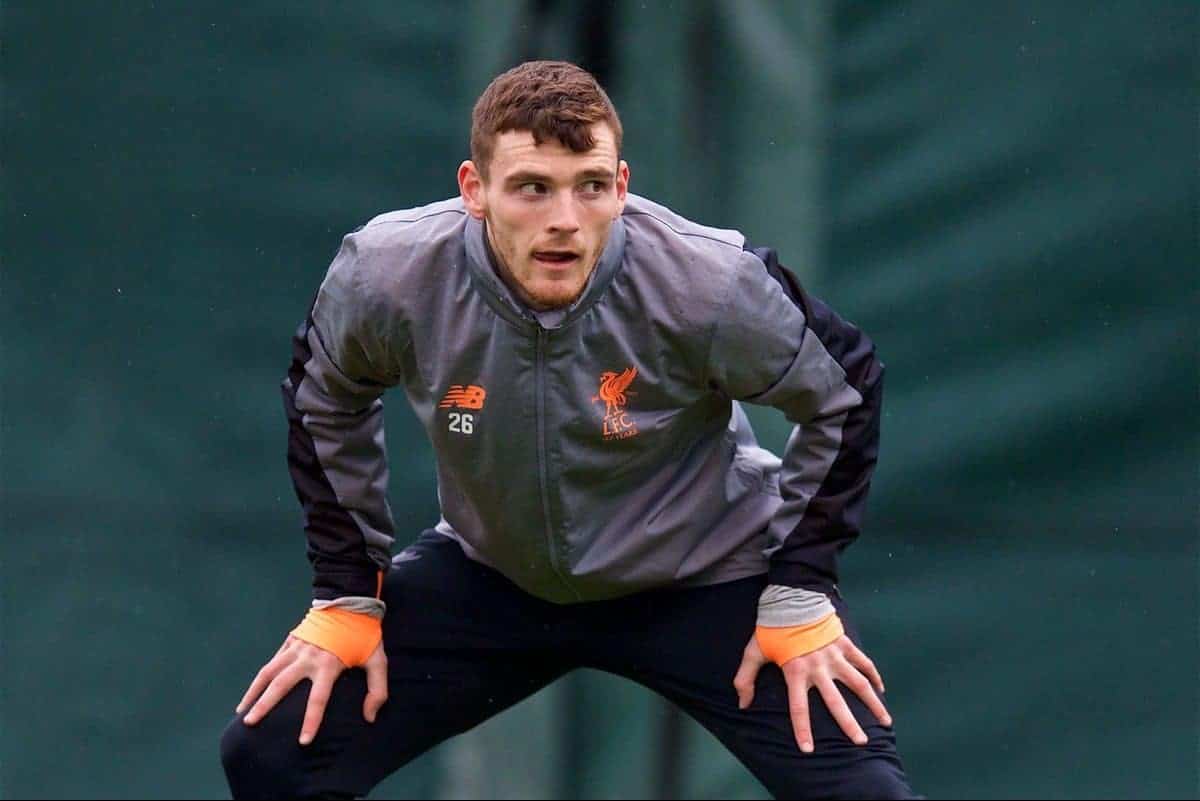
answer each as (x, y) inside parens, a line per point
(879, 777)
(256, 764)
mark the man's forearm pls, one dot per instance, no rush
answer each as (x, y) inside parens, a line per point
(338, 464)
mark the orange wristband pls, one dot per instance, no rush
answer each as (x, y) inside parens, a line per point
(350, 636)
(779, 644)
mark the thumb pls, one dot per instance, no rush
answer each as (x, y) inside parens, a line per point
(377, 683)
(747, 672)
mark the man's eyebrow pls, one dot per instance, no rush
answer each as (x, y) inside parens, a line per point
(596, 174)
(529, 176)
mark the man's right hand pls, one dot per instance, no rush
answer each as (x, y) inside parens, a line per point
(297, 660)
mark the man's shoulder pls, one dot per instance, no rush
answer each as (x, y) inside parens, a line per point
(680, 253)
(407, 227)
(671, 228)
(397, 247)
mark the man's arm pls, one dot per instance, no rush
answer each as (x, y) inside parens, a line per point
(777, 345)
(337, 459)
(336, 452)
(834, 391)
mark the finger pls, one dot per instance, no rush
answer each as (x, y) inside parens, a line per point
(743, 680)
(280, 686)
(314, 713)
(264, 677)
(863, 662)
(841, 713)
(377, 687)
(798, 710)
(861, 687)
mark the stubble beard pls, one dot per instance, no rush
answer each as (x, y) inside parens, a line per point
(555, 295)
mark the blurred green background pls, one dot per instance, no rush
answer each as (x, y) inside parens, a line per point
(1003, 195)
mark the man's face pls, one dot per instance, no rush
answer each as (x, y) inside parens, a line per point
(548, 211)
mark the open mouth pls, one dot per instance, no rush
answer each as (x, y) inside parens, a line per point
(555, 258)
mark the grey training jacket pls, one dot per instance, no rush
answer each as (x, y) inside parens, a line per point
(593, 452)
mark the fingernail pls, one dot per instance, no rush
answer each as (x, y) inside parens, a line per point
(237, 710)
(806, 747)
(887, 720)
(305, 739)
(860, 740)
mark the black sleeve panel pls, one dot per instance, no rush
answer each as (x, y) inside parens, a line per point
(833, 516)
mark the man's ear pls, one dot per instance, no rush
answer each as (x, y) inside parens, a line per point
(470, 186)
(622, 185)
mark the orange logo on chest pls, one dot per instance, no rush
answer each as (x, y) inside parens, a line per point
(614, 387)
(464, 397)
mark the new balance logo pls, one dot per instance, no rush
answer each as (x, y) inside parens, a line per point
(461, 396)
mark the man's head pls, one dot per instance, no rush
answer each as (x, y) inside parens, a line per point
(545, 173)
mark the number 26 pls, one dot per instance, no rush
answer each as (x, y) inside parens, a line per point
(461, 422)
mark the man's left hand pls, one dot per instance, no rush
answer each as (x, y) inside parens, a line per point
(842, 661)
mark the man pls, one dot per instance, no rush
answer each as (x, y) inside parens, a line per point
(575, 354)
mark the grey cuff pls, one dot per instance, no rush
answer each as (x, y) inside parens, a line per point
(355, 603)
(781, 606)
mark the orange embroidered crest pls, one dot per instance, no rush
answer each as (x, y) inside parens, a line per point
(614, 387)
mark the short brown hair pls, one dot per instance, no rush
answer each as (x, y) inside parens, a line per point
(550, 99)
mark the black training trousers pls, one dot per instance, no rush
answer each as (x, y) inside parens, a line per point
(464, 643)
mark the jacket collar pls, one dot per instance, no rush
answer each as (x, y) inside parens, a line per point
(506, 303)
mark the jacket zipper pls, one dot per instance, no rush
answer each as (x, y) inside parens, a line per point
(543, 469)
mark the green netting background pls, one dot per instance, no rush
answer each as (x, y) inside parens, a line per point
(1003, 195)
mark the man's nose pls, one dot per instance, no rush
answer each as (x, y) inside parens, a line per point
(564, 215)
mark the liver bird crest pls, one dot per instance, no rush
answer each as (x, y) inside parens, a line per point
(612, 389)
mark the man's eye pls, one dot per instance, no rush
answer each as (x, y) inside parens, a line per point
(593, 187)
(532, 189)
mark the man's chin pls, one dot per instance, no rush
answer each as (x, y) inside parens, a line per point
(543, 303)
(553, 299)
